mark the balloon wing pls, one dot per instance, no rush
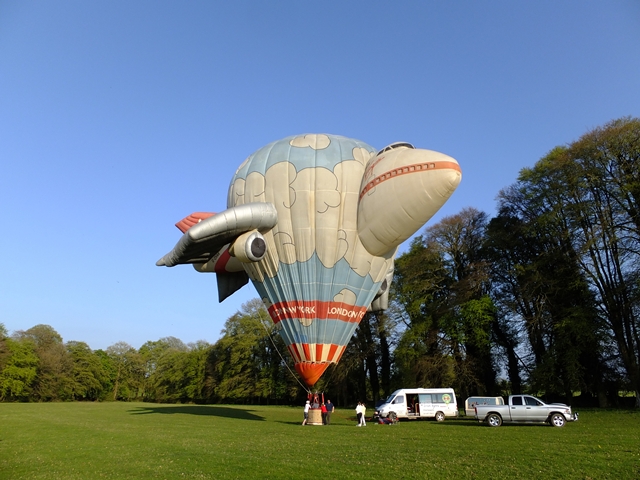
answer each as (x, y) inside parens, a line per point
(221, 242)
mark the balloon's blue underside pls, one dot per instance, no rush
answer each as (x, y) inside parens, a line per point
(312, 281)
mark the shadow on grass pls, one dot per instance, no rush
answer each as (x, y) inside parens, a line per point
(474, 423)
(448, 423)
(209, 410)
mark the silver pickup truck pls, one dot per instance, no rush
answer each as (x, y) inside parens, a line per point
(525, 409)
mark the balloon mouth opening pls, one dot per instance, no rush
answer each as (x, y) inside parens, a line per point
(311, 372)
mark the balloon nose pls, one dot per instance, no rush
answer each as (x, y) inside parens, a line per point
(311, 372)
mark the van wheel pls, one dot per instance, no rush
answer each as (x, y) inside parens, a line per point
(494, 420)
(557, 420)
(393, 417)
(439, 417)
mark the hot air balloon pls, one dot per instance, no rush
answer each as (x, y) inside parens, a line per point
(314, 221)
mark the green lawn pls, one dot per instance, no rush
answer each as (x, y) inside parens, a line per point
(139, 440)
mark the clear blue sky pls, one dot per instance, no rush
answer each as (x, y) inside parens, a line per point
(119, 118)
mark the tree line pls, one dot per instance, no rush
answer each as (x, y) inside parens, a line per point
(543, 298)
(243, 366)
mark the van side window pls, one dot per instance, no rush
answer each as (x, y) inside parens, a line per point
(516, 401)
(425, 398)
(441, 398)
(399, 399)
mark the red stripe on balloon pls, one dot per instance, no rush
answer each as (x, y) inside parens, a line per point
(339, 356)
(293, 352)
(316, 310)
(332, 352)
(307, 351)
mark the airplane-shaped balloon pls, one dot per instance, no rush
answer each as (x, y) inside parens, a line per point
(315, 222)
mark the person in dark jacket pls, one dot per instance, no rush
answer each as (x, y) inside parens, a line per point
(330, 409)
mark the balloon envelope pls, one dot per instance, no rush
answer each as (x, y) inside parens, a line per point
(317, 278)
(314, 221)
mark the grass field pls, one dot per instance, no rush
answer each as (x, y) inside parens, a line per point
(139, 440)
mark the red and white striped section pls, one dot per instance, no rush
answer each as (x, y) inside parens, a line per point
(316, 352)
(313, 359)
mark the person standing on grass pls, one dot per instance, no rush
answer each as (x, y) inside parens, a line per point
(363, 421)
(307, 406)
(329, 406)
(323, 411)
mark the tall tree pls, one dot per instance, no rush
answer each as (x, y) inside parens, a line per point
(443, 285)
(19, 371)
(574, 265)
(4, 348)
(419, 294)
(90, 378)
(127, 371)
(54, 379)
(151, 352)
(179, 375)
(602, 171)
(246, 364)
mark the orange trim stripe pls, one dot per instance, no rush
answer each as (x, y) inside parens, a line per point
(416, 167)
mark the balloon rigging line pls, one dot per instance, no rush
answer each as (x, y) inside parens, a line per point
(283, 360)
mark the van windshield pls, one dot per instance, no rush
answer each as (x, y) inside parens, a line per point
(391, 397)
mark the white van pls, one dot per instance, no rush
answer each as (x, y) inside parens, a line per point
(435, 403)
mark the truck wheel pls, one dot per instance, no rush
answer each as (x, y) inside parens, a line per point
(439, 417)
(557, 420)
(494, 420)
(393, 417)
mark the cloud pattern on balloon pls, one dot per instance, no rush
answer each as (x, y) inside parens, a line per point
(314, 183)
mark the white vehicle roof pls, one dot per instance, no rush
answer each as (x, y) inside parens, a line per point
(422, 390)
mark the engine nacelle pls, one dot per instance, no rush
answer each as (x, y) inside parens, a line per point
(249, 247)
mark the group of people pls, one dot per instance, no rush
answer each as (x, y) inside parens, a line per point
(361, 410)
(326, 409)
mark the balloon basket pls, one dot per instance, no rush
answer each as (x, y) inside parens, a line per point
(315, 416)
